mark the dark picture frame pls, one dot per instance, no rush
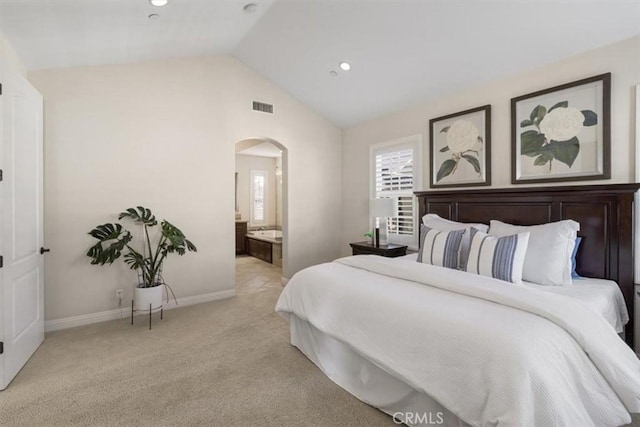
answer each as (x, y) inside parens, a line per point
(460, 149)
(562, 133)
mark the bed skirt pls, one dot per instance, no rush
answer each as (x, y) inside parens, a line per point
(367, 381)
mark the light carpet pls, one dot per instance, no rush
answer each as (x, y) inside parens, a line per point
(225, 363)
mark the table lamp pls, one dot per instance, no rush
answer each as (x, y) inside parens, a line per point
(381, 209)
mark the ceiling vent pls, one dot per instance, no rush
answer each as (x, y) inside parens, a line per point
(261, 106)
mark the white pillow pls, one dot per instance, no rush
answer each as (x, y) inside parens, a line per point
(498, 257)
(548, 259)
(440, 247)
(436, 222)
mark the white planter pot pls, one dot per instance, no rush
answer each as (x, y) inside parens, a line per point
(142, 297)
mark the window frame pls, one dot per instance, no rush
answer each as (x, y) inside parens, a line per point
(414, 142)
(252, 199)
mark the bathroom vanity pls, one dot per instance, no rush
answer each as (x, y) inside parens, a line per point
(241, 240)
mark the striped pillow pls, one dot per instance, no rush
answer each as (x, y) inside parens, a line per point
(435, 221)
(440, 247)
(498, 257)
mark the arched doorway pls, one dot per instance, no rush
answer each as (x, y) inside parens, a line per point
(261, 214)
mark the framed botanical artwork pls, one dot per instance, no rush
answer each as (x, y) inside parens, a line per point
(460, 147)
(562, 133)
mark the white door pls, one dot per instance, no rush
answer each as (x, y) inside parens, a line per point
(21, 234)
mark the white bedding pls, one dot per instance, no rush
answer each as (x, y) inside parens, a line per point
(491, 353)
(368, 382)
(603, 296)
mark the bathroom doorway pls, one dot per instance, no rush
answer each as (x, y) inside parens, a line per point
(260, 214)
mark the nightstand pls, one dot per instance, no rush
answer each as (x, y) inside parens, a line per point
(390, 250)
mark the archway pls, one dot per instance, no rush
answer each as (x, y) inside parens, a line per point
(261, 204)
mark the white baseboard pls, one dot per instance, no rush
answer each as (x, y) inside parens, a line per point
(198, 299)
(121, 313)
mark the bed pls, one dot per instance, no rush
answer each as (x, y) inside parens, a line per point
(444, 354)
(602, 295)
(605, 214)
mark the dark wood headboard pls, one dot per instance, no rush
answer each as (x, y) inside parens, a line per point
(605, 214)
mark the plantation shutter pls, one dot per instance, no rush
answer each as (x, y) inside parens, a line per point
(258, 194)
(395, 177)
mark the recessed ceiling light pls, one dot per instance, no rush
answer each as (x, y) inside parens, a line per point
(345, 66)
(250, 7)
(333, 73)
(154, 16)
(159, 3)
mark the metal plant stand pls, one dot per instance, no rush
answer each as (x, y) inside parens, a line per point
(151, 310)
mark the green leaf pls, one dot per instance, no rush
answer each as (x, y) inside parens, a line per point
(178, 243)
(445, 149)
(474, 162)
(112, 239)
(445, 129)
(95, 250)
(544, 158)
(565, 151)
(135, 260)
(525, 123)
(446, 168)
(531, 143)
(561, 104)
(541, 161)
(141, 216)
(190, 246)
(106, 232)
(537, 114)
(590, 118)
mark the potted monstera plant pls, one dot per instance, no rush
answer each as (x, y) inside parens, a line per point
(114, 241)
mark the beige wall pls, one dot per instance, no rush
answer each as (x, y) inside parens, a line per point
(244, 165)
(621, 59)
(9, 57)
(162, 134)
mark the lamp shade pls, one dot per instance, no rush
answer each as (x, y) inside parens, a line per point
(383, 207)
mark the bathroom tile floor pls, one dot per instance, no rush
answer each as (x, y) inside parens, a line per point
(255, 275)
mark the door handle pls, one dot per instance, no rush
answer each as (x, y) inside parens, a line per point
(43, 250)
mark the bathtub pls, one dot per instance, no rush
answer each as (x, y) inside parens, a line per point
(265, 245)
(269, 234)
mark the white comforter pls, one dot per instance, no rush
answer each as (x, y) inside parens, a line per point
(492, 353)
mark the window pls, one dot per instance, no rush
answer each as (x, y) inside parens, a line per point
(396, 173)
(258, 197)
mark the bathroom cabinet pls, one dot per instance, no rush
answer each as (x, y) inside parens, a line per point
(241, 237)
(259, 249)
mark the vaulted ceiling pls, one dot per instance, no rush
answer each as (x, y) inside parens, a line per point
(401, 51)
